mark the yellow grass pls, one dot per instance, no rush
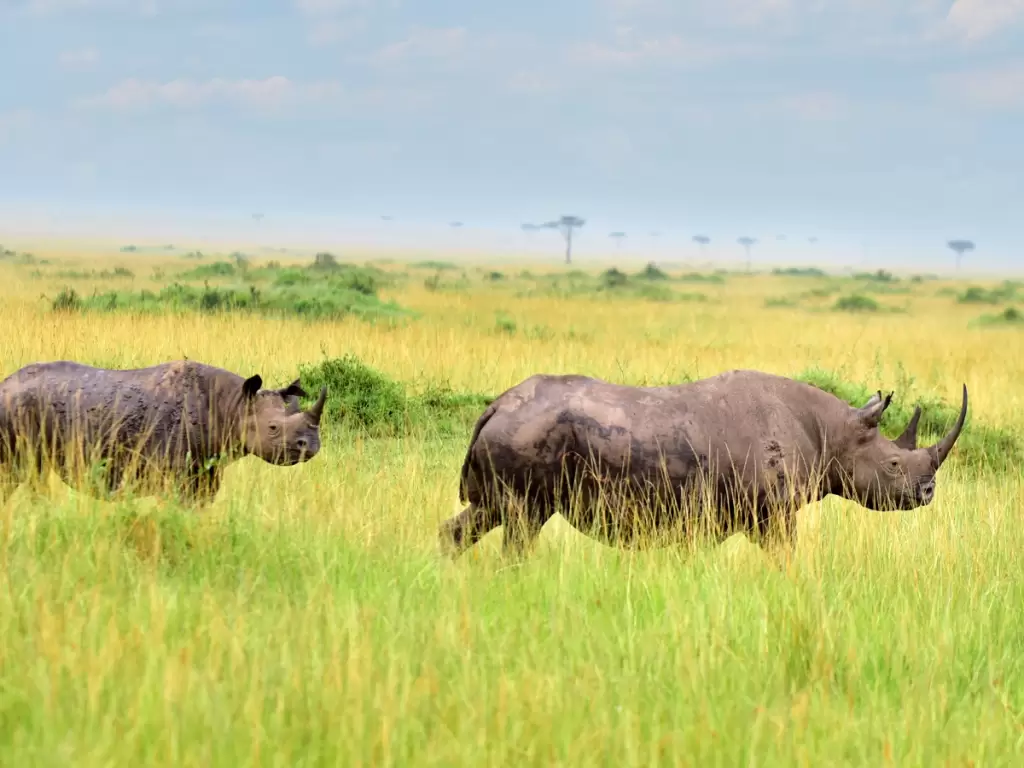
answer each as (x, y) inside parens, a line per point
(306, 619)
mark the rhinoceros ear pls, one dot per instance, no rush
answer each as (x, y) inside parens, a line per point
(870, 414)
(252, 385)
(295, 388)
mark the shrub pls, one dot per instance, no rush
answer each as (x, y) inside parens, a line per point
(366, 400)
(651, 272)
(855, 302)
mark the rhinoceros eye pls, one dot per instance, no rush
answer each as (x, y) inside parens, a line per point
(274, 428)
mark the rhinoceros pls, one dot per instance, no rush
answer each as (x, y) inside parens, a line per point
(183, 421)
(741, 450)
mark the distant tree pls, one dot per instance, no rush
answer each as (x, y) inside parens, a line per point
(387, 218)
(455, 224)
(617, 237)
(812, 239)
(746, 242)
(566, 225)
(780, 237)
(960, 247)
(702, 241)
(258, 217)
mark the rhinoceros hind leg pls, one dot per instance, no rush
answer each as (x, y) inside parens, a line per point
(522, 526)
(459, 533)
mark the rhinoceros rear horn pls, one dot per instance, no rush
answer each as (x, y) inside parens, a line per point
(317, 409)
(908, 440)
(941, 449)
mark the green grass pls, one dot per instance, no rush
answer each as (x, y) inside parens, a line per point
(305, 617)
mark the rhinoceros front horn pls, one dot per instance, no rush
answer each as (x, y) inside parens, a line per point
(941, 449)
(317, 409)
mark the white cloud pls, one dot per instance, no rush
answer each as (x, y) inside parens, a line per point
(627, 47)
(998, 89)
(268, 94)
(978, 19)
(815, 105)
(14, 122)
(43, 7)
(329, 7)
(78, 59)
(330, 31)
(424, 43)
(532, 81)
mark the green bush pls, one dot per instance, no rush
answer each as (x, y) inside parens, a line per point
(799, 272)
(365, 400)
(855, 302)
(651, 272)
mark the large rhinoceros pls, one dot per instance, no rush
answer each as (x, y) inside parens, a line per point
(182, 421)
(741, 450)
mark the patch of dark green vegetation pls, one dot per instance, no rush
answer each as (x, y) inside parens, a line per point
(612, 283)
(1011, 316)
(208, 271)
(980, 446)
(325, 300)
(856, 302)
(89, 274)
(651, 272)
(437, 266)
(1008, 291)
(365, 400)
(23, 259)
(780, 301)
(697, 277)
(506, 325)
(879, 276)
(799, 272)
(437, 283)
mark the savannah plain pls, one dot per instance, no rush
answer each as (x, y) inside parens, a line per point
(306, 617)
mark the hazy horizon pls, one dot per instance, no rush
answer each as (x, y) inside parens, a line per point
(884, 129)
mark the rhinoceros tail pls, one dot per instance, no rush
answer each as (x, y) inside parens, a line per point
(464, 476)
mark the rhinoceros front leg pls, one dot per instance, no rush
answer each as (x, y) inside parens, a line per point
(776, 534)
(522, 525)
(459, 533)
(200, 488)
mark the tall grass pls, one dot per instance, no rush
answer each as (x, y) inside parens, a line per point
(305, 618)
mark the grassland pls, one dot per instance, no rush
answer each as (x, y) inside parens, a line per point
(305, 618)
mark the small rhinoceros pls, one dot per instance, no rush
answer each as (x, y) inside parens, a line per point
(741, 449)
(183, 420)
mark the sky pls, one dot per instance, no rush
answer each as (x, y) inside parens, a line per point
(882, 127)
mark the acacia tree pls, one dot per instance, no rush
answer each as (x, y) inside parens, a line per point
(702, 241)
(960, 247)
(746, 242)
(566, 224)
(617, 237)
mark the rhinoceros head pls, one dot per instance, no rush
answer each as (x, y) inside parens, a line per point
(886, 474)
(275, 428)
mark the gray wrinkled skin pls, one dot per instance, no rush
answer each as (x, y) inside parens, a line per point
(740, 449)
(184, 420)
